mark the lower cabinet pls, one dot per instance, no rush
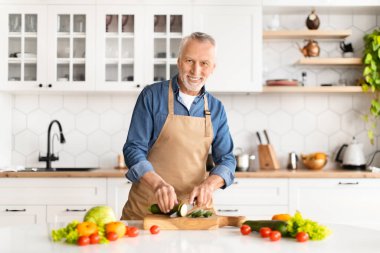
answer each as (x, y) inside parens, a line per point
(22, 215)
(341, 201)
(49, 200)
(66, 213)
(253, 198)
(60, 200)
(117, 194)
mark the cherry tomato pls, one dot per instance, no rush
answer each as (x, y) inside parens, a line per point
(133, 232)
(245, 230)
(83, 240)
(112, 236)
(154, 229)
(265, 232)
(126, 230)
(94, 238)
(302, 237)
(275, 235)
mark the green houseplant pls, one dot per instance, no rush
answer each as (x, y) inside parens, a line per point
(371, 79)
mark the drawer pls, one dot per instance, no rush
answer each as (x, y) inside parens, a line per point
(251, 212)
(22, 215)
(66, 213)
(345, 201)
(254, 192)
(53, 191)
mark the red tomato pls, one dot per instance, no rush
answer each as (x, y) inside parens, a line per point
(83, 240)
(126, 230)
(275, 235)
(302, 236)
(94, 238)
(245, 230)
(154, 229)
(265, 232)
(133, 232)
(112, 236)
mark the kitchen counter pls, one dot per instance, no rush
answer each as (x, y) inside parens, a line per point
(345, 239)
(282, 173)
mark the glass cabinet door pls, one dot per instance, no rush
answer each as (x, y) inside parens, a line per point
(168, 32)
(71, 34)
(22, 47)
(119, 47)
(71, 48)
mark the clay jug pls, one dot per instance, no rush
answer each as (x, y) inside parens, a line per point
(311, 49)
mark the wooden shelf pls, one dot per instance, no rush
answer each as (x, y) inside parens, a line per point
(312, 89)
(330, 61)
(306, 34)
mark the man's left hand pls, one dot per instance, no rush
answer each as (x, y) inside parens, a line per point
(203, 192)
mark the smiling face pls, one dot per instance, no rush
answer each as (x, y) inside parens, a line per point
(195, 64)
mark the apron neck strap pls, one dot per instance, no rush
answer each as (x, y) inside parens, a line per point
(207, 111)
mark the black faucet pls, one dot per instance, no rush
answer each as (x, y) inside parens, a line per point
(51, 157)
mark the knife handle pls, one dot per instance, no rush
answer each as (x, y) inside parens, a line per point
(266, 136)
(259, 138)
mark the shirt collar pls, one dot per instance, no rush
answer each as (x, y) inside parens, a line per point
(175, 87)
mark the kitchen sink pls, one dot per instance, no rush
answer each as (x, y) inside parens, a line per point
(61, 169)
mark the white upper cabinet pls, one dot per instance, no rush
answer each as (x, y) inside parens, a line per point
(326, 3)
(164, 29)
(71, 50)
(238, 35)
(47, 47)
(120, 47)
(23, 57)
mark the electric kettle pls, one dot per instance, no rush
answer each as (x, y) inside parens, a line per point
(351, 156)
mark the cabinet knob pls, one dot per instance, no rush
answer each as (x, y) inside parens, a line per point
(40, 85)
(138, 85)
(49, 85)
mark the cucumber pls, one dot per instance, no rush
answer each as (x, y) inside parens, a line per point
(278, 225)
(181, 209)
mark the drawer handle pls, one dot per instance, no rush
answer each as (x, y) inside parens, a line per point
(348, 183)
(76, 210)
(228, 210)
(235, 182)
(15, 210)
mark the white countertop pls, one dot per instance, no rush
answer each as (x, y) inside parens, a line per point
(345, 239)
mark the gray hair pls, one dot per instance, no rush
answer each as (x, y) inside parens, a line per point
(199, 36)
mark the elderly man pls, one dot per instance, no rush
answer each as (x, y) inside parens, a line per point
(174, 124)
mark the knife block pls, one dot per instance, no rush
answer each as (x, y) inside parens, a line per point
(267, 158)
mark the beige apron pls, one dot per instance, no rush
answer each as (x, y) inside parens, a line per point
(179, 156)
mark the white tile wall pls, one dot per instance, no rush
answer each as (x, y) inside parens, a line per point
(296, 122)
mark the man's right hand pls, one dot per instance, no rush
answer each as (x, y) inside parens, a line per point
(166, 196)
(163, 192)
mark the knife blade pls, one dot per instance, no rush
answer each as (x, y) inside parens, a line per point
(266, 136)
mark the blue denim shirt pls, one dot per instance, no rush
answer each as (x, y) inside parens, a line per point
(149, 116)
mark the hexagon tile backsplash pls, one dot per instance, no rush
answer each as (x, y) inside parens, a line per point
(96, 126)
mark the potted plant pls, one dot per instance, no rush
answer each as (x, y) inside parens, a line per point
(371, 79)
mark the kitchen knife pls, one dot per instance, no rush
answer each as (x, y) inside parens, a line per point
(266, 136)
(258, 137)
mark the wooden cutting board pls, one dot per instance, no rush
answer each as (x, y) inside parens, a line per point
(185, 223)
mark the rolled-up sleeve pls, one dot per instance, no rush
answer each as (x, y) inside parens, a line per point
(136, 147)
(222, 152)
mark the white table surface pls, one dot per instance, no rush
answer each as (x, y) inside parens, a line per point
(345, 239)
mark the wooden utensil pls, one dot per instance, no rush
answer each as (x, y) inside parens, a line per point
(185, 223)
